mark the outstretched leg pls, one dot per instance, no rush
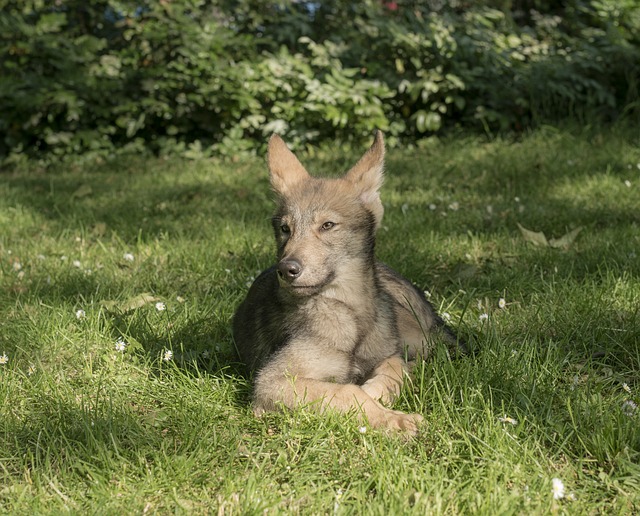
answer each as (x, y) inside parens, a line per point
(320, 396)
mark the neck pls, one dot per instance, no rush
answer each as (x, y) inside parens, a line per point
(355, 283)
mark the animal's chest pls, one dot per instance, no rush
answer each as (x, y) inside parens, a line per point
(359, 340)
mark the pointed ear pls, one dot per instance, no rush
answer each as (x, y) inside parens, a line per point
(284, 168)
(368, 174)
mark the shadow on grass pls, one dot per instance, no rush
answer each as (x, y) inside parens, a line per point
(94, 436)
(143, 204)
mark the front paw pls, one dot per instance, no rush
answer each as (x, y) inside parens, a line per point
(379, 391)
(396, 421)
(408, 423)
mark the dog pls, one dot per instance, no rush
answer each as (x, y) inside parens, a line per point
(328, 326)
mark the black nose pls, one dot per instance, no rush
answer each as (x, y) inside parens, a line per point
(289, 269)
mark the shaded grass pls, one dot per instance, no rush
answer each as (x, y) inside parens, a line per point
(88, 429)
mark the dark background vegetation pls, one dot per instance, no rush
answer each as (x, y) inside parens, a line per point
(215, 77)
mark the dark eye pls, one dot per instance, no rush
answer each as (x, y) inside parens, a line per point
(328, 225)
(285, 229)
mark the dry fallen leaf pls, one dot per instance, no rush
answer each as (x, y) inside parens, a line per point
(565, 241)
(82, 191)
(538, 238)
(132, 303)
(535, 237)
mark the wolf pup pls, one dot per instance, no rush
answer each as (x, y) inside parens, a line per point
(328, 326)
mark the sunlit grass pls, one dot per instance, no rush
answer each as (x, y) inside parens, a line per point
(106, 269)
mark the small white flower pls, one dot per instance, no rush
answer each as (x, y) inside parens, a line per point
(228, 271)
(629, 408)
(41, 257)
(63, 258)
(432, 207)
(4, 359)
(558, 488)
(17, 266)
(160, 306)
(638, 165)
(76, 263)
(627, 183)
(507, 419)
(168, 355)
(454, 206)
(20, 275)
(362, 429)
(120, 345)
(31, 370)
(80, 314)
(626, 388)
(502, 303)
(128, 257)
(180, 299)
(484, 317)
(571, 497)
(517, 199)
(427, 294)
(446, 317)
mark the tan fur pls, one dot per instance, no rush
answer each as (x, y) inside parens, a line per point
(328, 327)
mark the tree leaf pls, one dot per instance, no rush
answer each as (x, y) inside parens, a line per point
(565, 241)
(82, 191)
(132, 303)
(99, 229)
(535, 237)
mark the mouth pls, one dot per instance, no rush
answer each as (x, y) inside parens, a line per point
(307, 290)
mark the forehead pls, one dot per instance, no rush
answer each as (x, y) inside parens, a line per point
(317, 197)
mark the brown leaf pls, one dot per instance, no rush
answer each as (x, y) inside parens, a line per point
(132, 303)
(536, 238)
(82, 191)
(565, 241)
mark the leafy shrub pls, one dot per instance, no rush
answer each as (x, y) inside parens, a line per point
(216, 76)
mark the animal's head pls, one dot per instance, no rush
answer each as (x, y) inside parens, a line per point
(325, 228)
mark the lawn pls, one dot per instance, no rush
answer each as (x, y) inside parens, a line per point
(120, 391)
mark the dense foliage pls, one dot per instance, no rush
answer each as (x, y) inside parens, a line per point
(217, 76)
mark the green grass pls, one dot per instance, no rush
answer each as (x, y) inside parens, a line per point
(86, 429)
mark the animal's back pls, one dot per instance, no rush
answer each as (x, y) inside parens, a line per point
(419, 324)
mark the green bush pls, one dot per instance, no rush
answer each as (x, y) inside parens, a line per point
(205, 77)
